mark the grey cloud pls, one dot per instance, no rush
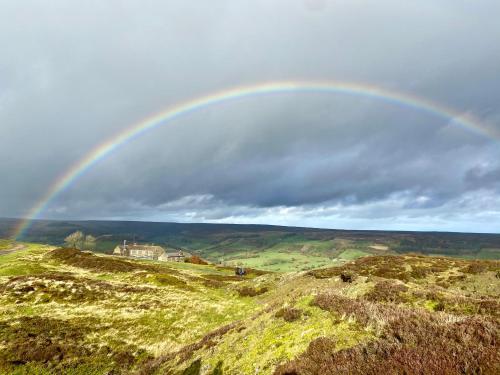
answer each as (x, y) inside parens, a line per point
(483, 177)
(74, 74)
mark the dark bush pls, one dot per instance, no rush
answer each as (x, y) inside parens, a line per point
(218, 369)
(440, 306)
(347, 277)
(193, 369)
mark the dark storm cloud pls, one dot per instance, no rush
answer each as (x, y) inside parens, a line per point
(74, 74)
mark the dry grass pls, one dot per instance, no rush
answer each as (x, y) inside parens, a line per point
(153, 366)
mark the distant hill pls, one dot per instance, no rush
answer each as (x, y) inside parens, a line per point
(275, 248)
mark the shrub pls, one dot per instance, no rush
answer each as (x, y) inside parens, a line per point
(455, 278)
(387, 291)
(218, 369)
(440, 306)
(195, 260)
(419, 272)
(248, 291)
(193, 369)
(475, 268)
(289, 314)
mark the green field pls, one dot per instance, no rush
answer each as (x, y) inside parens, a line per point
(271, 260)
(352, 254)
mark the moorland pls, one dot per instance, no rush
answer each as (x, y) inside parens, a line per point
(67, 311)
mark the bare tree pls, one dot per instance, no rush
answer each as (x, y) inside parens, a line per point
(75, 240)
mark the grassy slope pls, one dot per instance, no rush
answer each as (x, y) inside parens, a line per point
(84, 314)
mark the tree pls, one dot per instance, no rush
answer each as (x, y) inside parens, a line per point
(75, 240)
(89, 242)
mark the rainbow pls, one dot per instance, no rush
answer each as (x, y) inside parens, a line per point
(164, 117)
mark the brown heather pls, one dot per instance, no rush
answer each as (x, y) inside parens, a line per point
(406, 268)
(58, 344)
(248, 291)
(388, 291)
(77, 258)
(411, 341)
(195, 260)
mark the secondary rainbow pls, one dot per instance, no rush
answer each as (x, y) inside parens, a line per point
(267, 88)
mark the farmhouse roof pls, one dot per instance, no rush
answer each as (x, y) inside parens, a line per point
(141, 247)
(177, 254)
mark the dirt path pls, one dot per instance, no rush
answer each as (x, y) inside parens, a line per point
(11, 250)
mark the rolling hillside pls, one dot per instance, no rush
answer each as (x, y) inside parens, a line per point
(66, 311)
(272, 248)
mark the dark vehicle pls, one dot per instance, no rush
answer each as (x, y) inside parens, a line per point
(240, 271)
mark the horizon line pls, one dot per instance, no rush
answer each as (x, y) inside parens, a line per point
(251, 224)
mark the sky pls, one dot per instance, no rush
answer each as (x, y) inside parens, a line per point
(73, 74)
